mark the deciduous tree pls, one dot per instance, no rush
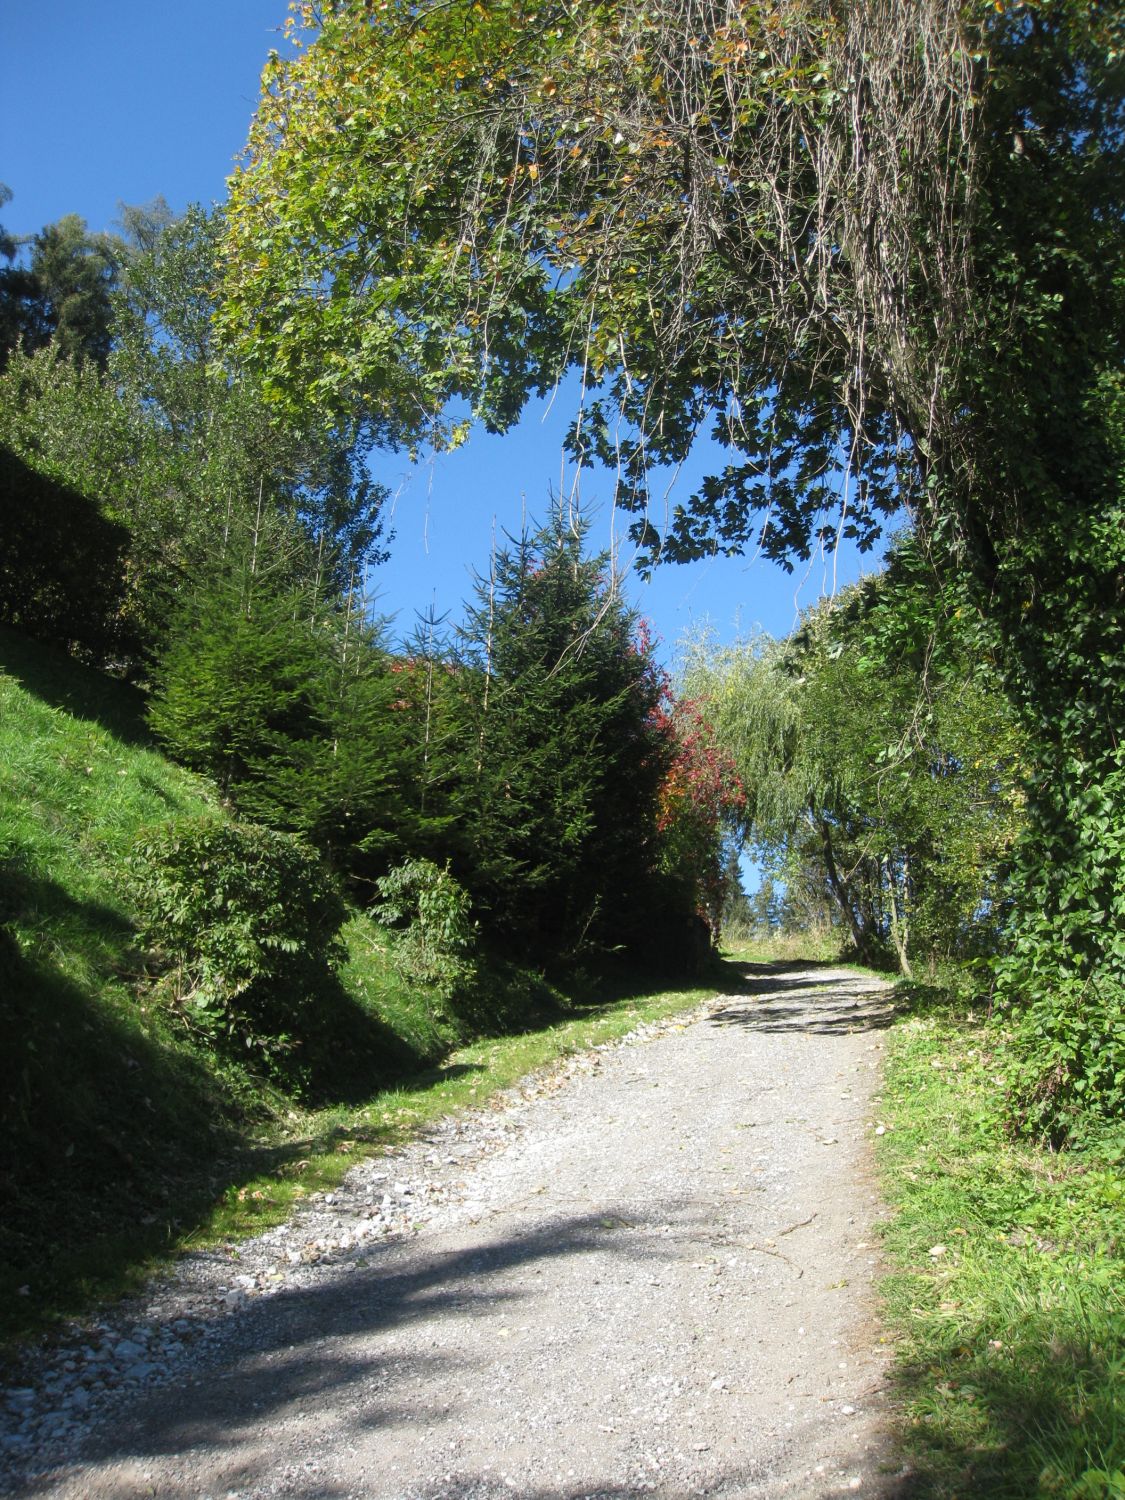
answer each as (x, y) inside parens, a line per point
(877, 248)
(876, 745)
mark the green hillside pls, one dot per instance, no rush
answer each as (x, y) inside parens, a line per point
(119, 1134)
(124, 1139)
(104, 1111)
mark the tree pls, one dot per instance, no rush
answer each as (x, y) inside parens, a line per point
(16, 286)
(62, 573)
(292, 706)
(220, 455)
(62, 297)
(700, 811)
(877, 748)
(172, 442)
(878, 248)
(66, 529)
(564, 758)
(663, 195)
(773, 217)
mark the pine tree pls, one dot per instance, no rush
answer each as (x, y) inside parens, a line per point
(564, 761)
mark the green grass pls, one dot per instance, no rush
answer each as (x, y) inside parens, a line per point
(121, 1142)
(1008, 1293)
(821, 951)
(103, 1110)
(1006, 1296)
(786, 948)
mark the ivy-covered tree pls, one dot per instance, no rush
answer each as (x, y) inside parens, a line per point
(564, 759)
(877, 249)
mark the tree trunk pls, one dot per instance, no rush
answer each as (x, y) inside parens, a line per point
(840, 889)
(900, 930)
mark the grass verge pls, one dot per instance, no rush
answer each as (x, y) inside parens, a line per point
(1008, 1292)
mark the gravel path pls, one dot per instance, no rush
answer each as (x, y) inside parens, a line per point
(649, 1271)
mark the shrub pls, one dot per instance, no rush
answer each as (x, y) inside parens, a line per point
(246, 920)
(433, 935)
(1066, 1060)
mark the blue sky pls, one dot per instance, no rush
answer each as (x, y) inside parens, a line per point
(126, 100)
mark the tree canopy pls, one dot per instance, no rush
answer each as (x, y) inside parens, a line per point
(796, 223)
(172, 440)
(61, 293)
(876, 249)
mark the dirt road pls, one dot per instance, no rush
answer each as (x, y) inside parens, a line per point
(651, 1276)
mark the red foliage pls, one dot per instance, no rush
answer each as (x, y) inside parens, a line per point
(701, 793)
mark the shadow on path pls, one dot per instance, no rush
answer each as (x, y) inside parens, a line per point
(310, 1345)
(309, 1351)
(780, 997)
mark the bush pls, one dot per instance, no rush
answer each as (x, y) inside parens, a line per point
(1066, 1061)
(246, 922)
(433, 935)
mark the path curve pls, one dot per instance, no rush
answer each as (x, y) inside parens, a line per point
(650, 1274)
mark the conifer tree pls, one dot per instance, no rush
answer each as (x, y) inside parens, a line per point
(295, 708)
(565, 761)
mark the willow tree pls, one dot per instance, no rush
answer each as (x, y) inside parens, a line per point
(876, 248)
(877, 752)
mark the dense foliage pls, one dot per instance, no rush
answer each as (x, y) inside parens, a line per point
(877, 249)
(559, 694)
(429, 914)
(62, 564)
(162, 517)
(60, 293)
(246, 923)
(295, 710)
(173, 443)
(881, 755)
(701, 810)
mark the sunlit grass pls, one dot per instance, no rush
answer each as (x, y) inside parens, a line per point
(1009, 1289)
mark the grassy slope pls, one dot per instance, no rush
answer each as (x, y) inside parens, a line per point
(118, 1142)
(102, 1113)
